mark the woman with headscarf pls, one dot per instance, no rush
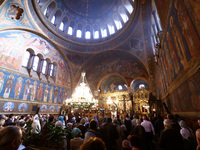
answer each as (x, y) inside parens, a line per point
(187, 134)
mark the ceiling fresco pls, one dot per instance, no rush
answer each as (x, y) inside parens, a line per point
(95, 9)
(111, 83)
(113, 62)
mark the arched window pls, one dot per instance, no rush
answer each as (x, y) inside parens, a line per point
(79, 31)
(26, 59)
(87, 32)
(51, 70)
(128, 6)
(35, 63)
(44, 67)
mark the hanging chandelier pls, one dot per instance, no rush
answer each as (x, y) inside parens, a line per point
(82, 95)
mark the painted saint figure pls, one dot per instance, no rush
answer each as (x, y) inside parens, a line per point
(9, 106)
(33, 91)
(51, 95)
(40, 92)
(56, 95)
(8, 86)
(22, 107)
(27, 88)
(46, 92)
(18, 88)
(1, 81)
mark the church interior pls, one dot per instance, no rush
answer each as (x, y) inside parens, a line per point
(138, 56)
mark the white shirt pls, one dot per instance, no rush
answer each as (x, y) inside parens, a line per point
(148, 126)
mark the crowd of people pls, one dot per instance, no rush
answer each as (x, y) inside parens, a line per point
(132, 133)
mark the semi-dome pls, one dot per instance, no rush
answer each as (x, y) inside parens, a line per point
(87, 21)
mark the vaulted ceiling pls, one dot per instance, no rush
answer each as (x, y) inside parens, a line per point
(125, 52)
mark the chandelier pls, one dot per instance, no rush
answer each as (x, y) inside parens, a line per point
(82, 96)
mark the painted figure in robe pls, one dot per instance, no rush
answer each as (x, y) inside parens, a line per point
(18, 88)
(1, 81)
(46, 92)
(51, 95)
(8, 86)
(27, 88)
(33, 91)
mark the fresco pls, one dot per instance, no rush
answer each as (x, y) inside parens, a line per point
(113, 62)
(180, 44)
(8, 107)
(17, 87)
(186, 98)
(111, 84)
(22, 107)
(11, 55)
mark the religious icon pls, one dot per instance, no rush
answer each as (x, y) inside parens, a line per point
(22, 107)
(52, 109)
(43, 108)
(8, 86)
(9, 106)
(40, 92)
(33, 91)
(51, 95)
(1, 81)
(56, 95)
(60, 96)
(46, 91)
(58, 108)
(27, 88)
(18, 88)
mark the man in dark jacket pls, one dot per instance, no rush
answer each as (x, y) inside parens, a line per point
(110, 134)
(171, 139)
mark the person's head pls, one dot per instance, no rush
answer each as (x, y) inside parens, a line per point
(138, 122)
(144, 117)
(93, 124)
(126, 144)
(76, 132)
(198, 122)
(2, 121)
(198, 135)
(82, 121)
(22, 123)
(58, 123)
(167, 123)
(11, 116)
(51, 118)
(182, 124)
(115, 121)
(10, 138)
(93, 143)
(109, 120)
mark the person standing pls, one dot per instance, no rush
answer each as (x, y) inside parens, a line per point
(170, 139)
(149, 131)
(109, 134)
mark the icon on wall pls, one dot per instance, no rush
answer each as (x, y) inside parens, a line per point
(52, 108)
(9, 106)
(43, 108)
(22, 107)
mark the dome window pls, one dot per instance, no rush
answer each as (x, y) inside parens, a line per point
(53, 19)
(111, 29)
(87, 35)
(78, 33)
(128, 6)
(61, 27)
(96, 34)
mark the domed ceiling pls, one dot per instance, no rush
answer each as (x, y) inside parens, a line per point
(87, 21)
